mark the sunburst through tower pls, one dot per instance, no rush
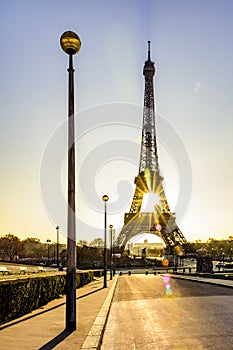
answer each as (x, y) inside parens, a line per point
(149, 211)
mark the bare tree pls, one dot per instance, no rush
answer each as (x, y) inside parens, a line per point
(11, 246)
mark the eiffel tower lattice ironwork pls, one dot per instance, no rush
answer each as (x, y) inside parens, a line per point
(149, 183)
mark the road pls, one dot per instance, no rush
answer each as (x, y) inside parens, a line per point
(162, 313)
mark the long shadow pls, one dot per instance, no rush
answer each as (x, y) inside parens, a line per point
(64, 334)
(55, 341)
(44, 311)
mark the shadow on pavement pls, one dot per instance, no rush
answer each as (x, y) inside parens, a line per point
(55, 341)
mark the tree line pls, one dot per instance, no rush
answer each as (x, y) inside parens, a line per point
(13, 249)
(218, 249)
(32, 249)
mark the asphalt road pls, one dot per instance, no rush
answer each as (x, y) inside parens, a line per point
(155, 312)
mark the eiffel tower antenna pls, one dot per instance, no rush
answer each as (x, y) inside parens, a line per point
(148, 51)
(159, 220)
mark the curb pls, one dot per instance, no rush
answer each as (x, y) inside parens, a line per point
(95, 335)
(217, 282)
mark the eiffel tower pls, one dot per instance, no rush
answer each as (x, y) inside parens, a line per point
(149, 183)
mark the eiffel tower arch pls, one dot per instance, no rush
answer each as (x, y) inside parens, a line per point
(149, 183)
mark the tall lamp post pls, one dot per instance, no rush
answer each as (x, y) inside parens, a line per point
(111, 227)
(71, 44)
(54, 252)
(57, 228)
(113, 251)
(48, 241)
(105, 198)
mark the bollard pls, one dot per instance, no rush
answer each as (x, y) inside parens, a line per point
(146, 272)
(129, 273)
(120, 273)
(155, 273)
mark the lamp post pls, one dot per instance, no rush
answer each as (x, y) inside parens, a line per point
(48, 241)
(54, 252)
(111, 227)
(71, 44)
(57, 228)
(105, 199)
(113, 252)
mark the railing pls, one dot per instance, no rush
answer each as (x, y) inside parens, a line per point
(156, 271)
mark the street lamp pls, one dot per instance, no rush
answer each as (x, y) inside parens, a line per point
(48, 241)
(113, 251)
(54, 252)
(57, 228)
(111, 227)
(105, 199)
(71, 44)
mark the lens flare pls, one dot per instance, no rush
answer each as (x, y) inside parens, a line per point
(166, 280)
(165, 262)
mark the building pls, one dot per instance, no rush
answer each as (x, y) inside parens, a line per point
(152, 249)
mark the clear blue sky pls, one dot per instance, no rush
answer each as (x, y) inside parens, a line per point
(192, 48)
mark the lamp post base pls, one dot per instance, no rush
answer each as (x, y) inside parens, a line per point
(105, 280)
(71, 300)
(71, 326)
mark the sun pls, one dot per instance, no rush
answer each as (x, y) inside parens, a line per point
(150, 200)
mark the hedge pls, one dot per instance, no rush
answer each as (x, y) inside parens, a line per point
(21, 296)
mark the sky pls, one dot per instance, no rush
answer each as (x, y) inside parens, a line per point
(191, 45)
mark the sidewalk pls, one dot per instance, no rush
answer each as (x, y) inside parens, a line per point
(216, 281)
(44, 328)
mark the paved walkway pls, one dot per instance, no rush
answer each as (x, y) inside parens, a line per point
(44, 328)
(216, 281)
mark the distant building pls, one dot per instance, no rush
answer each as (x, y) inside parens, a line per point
(136, 248)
